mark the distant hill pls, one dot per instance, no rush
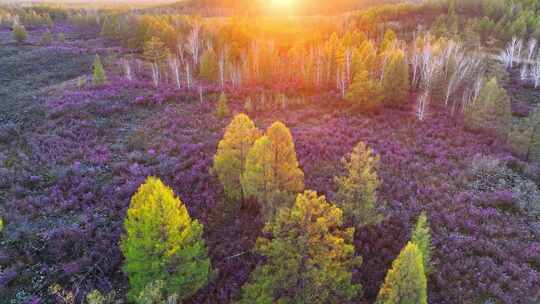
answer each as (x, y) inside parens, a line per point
(305, 7)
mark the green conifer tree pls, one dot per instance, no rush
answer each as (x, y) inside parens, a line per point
(389, 40)
(308, 256)
(364, 94)
(395, 78)
(222, 109)
(272, 173)
(19, 33)
(421, 236)
(209, 66)
(365, 58)
(405, 282)
(357, 191)
(162, 242)
(230, 159)
(491, 111)
(99, 76)
(524, 138)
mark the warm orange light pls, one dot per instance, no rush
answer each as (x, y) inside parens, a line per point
(283, 4)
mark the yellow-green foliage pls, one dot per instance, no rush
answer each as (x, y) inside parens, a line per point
(1, 224)
(389, 40)
(308, 254)
(491, 111)
(209, 65)
(357, 191)
(405, 282)
(421, 236)
(153, 294)
(395, 81)
(149, 26)
(162, 242)
(258, 177)
(365, 58)
(19, 33)
(230, 159)
(222, 107)
(96, 297)
(99, 76)
(272, 173)
(155, 51)
(364, 94)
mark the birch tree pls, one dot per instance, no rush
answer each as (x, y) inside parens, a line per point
(535, 72)
(174, 65)
(127, 69)
(511, 53)
(531, 49)
(193, 44)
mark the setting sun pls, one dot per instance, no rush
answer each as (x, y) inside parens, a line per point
(283, 5)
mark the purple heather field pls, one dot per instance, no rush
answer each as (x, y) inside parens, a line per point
(72, 155)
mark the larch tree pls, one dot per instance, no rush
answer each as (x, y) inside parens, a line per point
(421, 236)
(209, 69)
(258, 177)
(272, 174)
(364, 58)
(405, 282)
(162, 242)
(364, 94)
(19, 33)
(389, 40)
(395, 78)
(309, 256)
(222, 109)
(533, 135)
(491, 111)
(357, 190)
(230, 159)
(524, 138)
(99, 77)
(156, 52)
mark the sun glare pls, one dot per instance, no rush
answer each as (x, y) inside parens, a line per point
(283, 5)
